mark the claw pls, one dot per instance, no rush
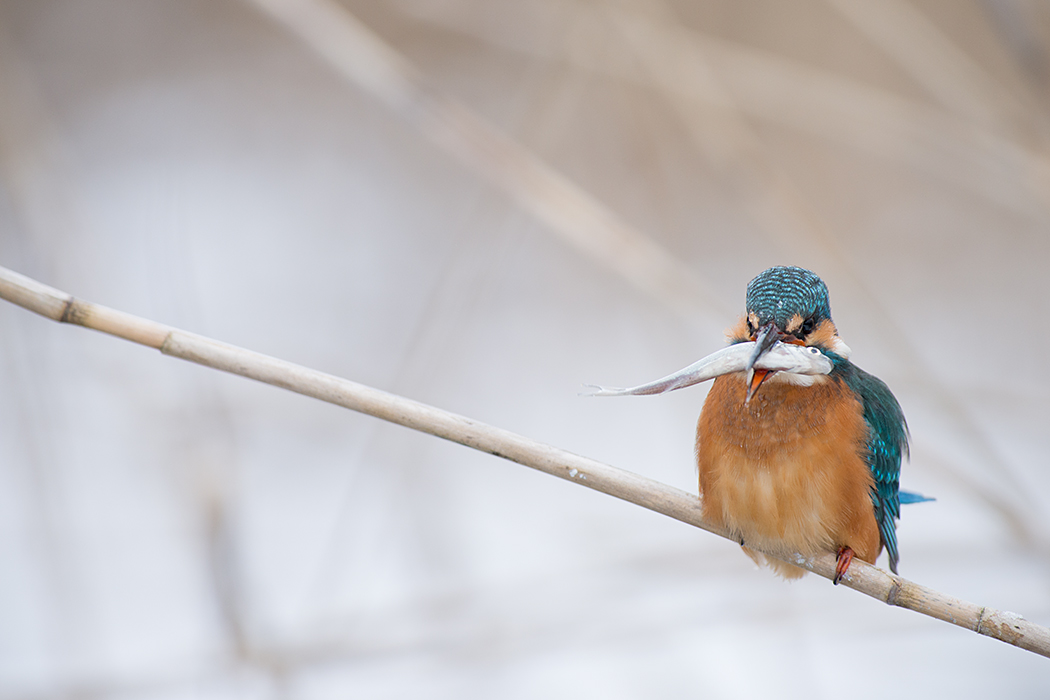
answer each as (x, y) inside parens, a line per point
(842, 562)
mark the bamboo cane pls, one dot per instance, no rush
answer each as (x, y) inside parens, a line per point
(59, 306)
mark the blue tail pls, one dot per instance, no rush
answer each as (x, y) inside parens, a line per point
(909, 497)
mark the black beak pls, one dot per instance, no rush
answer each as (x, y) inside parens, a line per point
(766, 337)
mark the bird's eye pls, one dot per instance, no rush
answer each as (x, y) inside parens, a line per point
(750, 327)
(807, 326)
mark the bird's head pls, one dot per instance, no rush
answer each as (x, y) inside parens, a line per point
(789, 305)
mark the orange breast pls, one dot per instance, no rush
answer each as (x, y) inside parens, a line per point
(787, 473)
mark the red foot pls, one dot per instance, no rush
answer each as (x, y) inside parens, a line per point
(842, 562)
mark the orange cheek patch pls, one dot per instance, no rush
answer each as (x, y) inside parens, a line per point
(823, 335)
(738, 332)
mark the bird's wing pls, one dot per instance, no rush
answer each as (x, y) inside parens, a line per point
(887, 443)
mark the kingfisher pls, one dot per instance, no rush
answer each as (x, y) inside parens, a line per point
(798, 450)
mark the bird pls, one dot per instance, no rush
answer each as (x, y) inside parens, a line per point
(798, 450)
(801, 463)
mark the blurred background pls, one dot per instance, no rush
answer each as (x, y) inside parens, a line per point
(483, 204)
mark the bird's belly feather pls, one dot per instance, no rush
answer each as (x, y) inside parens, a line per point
(787, 472)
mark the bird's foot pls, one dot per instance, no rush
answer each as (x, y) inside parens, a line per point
(842, 562)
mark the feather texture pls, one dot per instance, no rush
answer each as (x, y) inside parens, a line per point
(787, 473)
(887, 443)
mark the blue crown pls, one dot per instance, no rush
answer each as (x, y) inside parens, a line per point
(781, 292)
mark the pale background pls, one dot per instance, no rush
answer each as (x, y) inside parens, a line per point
(170, 532)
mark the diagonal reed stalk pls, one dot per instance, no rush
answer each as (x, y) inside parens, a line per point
(680, 505)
